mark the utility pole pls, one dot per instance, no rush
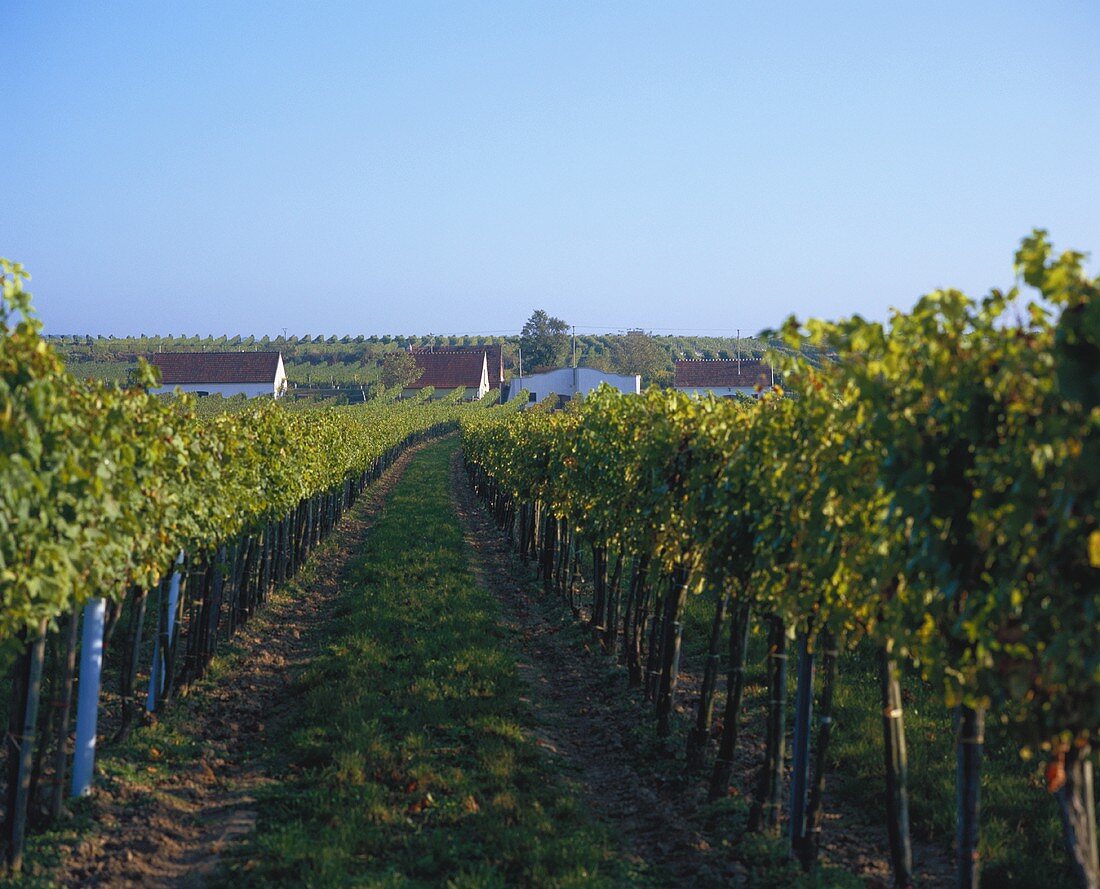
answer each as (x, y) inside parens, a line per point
(738, 351)
(574, 345)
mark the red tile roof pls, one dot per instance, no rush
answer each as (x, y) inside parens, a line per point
(177, 368)
(721, 373)
(494, 356)
(449, 370)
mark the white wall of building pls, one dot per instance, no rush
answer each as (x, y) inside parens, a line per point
(252, 390)
(280, 384)
(569, 381)
(483, 387)
(720, 391)
(439, 394)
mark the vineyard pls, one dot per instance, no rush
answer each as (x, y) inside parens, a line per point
(164, 526)
(934, 494)
(906, 535)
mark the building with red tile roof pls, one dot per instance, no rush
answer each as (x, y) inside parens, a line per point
(450, 370)
(224, 373)
(494, 358)
(723, 377)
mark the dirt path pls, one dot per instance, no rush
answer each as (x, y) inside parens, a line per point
(168, 828)
(602, 731)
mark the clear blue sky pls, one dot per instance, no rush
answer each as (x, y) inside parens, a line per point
(408, 167)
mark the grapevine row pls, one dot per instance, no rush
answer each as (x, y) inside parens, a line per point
(165, 527)
(934, 490)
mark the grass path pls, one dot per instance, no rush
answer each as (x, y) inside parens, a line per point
(413, 712)
(457, 731)
(412, 759)
(169, 801)
(592, 726)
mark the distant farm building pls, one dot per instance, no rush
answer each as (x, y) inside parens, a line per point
(494, 358)
(450, 370)
(565, 382)
(221, 373)
(723, 377)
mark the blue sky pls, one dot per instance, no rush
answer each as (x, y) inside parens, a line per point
(448, 167)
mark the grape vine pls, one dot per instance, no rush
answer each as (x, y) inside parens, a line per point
(935, 490)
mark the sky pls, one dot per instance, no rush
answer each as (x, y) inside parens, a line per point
(448, 167)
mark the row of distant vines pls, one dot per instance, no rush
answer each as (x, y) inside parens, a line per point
(933, 490)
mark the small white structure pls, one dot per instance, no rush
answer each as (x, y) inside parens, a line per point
(447, 371)
(565, 382)
(224, 373)
(724, 377)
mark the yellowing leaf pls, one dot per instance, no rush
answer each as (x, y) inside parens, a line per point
(1094, 549)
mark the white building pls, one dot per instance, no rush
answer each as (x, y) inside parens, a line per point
(724, 377)
(221, 373)
(565, 382)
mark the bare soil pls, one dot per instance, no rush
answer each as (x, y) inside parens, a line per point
(170, 828)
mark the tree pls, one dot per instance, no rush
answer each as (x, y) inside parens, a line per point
(544, 341)
(400, 369)
(639, 353)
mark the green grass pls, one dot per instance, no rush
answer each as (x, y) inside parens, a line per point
(766, 860)
(1021, 838)
(47, 849)
(410, 763)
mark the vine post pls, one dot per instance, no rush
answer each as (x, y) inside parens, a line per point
(1077, 804)
(830, 655)
(64, 701)
(697, 737)
(735, 686)
(769, 791)
(970, 722)
(800, 765)
(87, 701)
(897, 769)
(21, 744)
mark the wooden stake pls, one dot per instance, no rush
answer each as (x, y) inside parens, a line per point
(1077, 803)
(20, 744)
(800, 760)
(970, 723)
(697, 737)
(897, 770)
(769, 791)
(64, 710)
(824, 735)
(731, 715)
